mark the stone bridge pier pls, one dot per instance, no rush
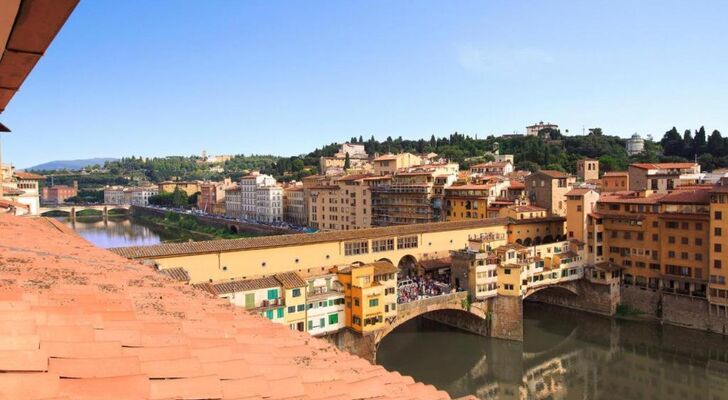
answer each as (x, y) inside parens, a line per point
(500, 317)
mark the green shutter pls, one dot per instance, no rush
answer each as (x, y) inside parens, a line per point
(250, 300)
(333, 318)
(310, 325)
(269, 314)
(272, 294)
(280, 312)
(322, 322)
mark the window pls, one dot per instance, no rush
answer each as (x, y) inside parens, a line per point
(507, 271)
(354, 248)
(310, 325)
(279, 312)
(373, 302)
(655, 237)
(272, 294)
(292, 309)
(382, 245)
(672, 224)
(356, 302)
(698, 226)
(296, 292)
(655, 224)
(717, 264)
(684, 240)
(355, 320)
(333, 319)
(698, 242)
(407, 242)
(671, 254)
(698, 257)
(718, 215)
(717, 247)
(671, 239)
(301, 307)
(717, 231)
(685, 225)
(269, 314)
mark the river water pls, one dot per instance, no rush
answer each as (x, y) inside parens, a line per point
(565, 355)
(120, 231)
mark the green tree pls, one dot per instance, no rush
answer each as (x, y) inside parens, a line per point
(347, 162)
(715, 144)
(672, 142)
(179, 198)
(701, 142)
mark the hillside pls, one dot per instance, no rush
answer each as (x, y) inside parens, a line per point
(71, 165)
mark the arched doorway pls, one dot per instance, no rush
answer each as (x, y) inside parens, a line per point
(407, 266)
(527, 242)
(519, 241)
(548, 239)
(234, 229)
(537, 241)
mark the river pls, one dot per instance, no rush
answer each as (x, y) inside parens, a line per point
(565, 355)
(122, 231)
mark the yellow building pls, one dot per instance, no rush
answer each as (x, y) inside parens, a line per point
(370, 294)
(189, 187)
(718, 252)
(471, 201)
(579, 203)
(518, 212)
(388, 164)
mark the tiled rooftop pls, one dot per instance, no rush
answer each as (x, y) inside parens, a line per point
(78, 322)
(171, 249)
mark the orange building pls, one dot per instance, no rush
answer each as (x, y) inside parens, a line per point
(615, 181)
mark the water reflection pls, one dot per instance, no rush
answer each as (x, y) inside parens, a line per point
(565, 355)
(118, 231)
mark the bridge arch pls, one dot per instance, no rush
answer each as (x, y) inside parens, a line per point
(563, 289)
(233, 229)
(527, 241)
(386, 259)
(548, 239)
(537, 241)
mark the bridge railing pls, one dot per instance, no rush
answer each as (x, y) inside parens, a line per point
(459, 296)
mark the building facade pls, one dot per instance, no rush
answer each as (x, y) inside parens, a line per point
(249, 185)
(294, 206)
(614, 181)
(57, 194)
(548, 189)
(663, 177)
(269, 204)
(233, 201)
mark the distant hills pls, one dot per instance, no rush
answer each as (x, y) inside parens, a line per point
(71, 165)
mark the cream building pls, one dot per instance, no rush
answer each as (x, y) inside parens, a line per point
(269, 204)
(249, 185)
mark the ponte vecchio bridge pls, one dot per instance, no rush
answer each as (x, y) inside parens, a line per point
(495, 315)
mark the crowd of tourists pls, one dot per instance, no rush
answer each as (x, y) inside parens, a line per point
(417, 288)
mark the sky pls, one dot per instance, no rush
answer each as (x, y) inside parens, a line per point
(175, 77)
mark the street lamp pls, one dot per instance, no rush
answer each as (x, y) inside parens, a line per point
(3, 129)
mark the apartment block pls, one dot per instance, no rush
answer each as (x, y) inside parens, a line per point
(269, 204)
(294, 205)
(370, 292)
(341, 203)
(547, 189)
(663, 177)
(249, 185)
(614, 181)
(233, 201)
(412, 195)
(57, 194)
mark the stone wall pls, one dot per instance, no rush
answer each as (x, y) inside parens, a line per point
(581, 295)
(507, 318)
(355, 343)
(646, 301)
(691, 312)
(217, 222)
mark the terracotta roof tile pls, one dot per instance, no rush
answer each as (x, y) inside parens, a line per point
(75, 315)
(210, 246)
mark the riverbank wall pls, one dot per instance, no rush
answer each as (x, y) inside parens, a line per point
(675, 309)
(228, 225)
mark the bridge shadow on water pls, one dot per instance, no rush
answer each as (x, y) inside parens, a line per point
(565, 354)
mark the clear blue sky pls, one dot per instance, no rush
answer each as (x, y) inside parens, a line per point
(175, 77)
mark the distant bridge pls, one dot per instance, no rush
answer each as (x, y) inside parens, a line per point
(73, 209)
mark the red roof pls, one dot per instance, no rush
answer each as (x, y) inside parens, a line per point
(78, 322)
(552, 173)
(578, 192)
(700, 196)
(664, 165)
(616, 174)
(471, 186)
(29, 176)
(516, 185)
